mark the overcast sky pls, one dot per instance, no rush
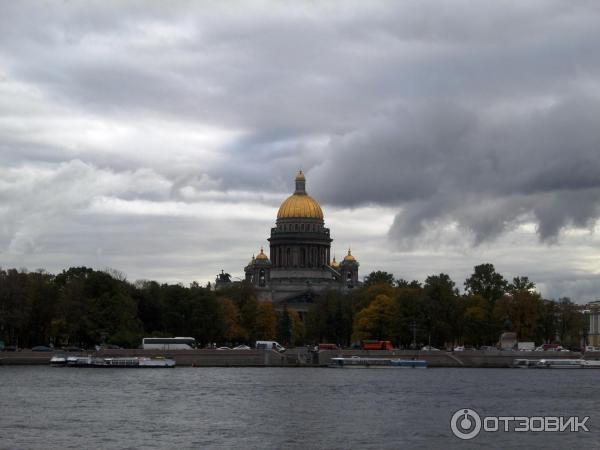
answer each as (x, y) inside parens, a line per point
(159, 138)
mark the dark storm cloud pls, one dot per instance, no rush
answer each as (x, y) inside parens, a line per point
(440, 161)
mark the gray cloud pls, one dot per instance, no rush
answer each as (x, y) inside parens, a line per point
(482, 117)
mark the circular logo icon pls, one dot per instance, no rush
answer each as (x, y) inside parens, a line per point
(465, 424)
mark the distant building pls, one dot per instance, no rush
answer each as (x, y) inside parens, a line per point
(299, 265)
(592, 314)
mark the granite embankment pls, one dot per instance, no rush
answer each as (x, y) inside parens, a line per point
(302, 357)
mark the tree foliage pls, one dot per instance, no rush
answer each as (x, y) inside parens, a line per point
(379, 277)
(84, 307)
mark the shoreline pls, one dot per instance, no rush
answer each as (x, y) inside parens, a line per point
(301, 357)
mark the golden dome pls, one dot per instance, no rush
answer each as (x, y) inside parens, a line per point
(334, 264)
(300, 204)
(262, 255)
(349, 257)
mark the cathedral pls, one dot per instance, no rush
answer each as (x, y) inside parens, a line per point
(298, 265)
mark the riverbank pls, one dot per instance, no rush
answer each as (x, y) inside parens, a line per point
(302, 357)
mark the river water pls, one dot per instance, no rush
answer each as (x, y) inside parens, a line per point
(285, 408)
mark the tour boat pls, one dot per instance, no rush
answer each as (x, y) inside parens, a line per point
(556, 364)
(120, 362)
(409, 363)
(357, 362)
(524, 363)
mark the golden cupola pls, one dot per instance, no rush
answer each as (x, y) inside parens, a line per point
(262, 256)
(300, 205)
(334, 264)
(349, 256)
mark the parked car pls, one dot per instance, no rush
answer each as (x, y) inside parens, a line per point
(41, 348)
(10, 348)
(459, 349)
(327, 346)
(223, 348)
(73, 348)
(429, 348)
(242, 347)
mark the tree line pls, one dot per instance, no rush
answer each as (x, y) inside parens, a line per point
(85, 307)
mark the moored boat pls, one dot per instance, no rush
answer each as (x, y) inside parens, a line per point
(409, 363)
(524, 363)
(120, 362)
(357, 362)
(558, 364)
(58, 360)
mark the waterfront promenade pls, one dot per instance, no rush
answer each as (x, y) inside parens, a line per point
(302, 357)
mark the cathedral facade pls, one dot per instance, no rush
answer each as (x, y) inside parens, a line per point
(298, 265)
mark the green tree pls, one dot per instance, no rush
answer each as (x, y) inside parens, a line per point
(330, 318)
(522, 309)
(440, 309)
(547, 322)
(472, 326)
(570, 323)
(379, 277)
(520, 284)
(284, 327)
(414, 284)
(486, 282)
(409, 315)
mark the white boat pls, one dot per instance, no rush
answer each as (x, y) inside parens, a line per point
(357, 362)
(58, 360)
(409, 363)
(524, 363)
(566, 364)
(120, 362)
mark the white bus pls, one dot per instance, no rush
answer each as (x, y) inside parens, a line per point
(176, 343)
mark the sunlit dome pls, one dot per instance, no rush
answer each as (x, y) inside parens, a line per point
(349, 257)
(300, 205)
(261, 255)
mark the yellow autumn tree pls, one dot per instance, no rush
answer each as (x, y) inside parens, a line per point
(266, 321)
(376, 321)
(233, 330)
(297, 328)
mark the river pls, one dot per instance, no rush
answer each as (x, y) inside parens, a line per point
(285, 408)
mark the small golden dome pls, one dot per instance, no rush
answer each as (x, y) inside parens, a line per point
(262, 255)
(349, 257)
(300, 206)
(334, 264)
(300, 176)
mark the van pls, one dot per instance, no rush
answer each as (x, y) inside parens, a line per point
(270, 345)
